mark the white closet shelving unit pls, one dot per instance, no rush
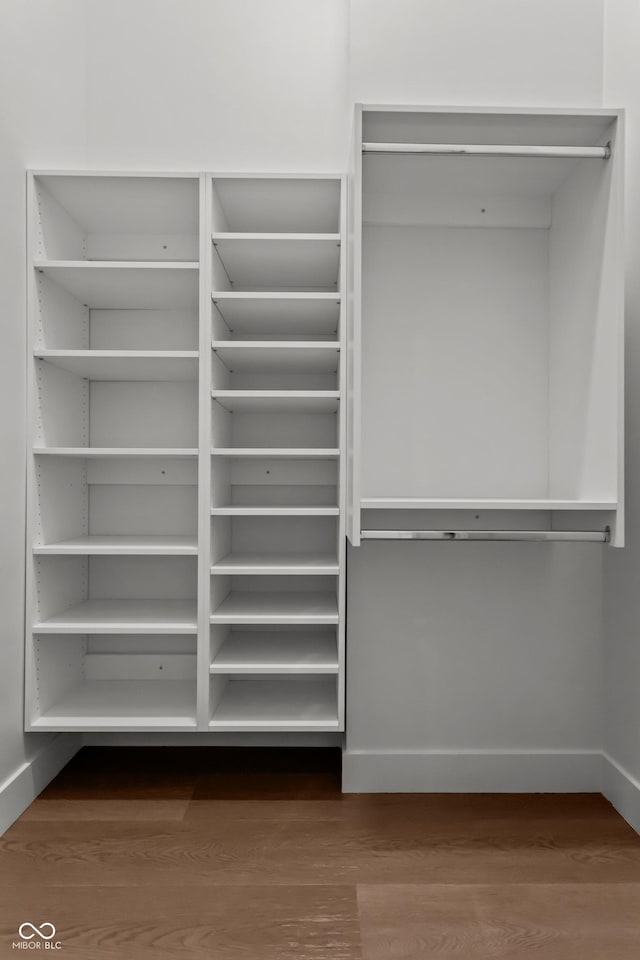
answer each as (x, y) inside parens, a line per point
(486, 334)
(112, 485)
(277, 430)
(172, 345)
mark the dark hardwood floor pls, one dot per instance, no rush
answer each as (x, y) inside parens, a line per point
(221, 854)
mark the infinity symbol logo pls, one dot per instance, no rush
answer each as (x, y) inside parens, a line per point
(40, 931)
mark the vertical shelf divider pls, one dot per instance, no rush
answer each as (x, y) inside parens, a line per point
(204, 457)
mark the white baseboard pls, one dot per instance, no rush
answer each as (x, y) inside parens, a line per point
(205, 739)
(622, 790)
(30, 779)
(478, 771)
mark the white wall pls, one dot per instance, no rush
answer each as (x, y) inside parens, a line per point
(217, 84)
(463, 659)
(42, 117)
(622, 568)
(493, 52)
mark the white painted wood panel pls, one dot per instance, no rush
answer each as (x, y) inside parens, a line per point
(455, 353)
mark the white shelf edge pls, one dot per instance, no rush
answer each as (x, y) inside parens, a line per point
(322, 453)
(409, 503)
(72, 548)
(117, 452)
(46, 354)
(321, 295)
(275, 511)
(117, 264)
(271, 236)
(284, 725)
(332, 346)
(275, 394)
(108, 724)
(273, 565)
(265, 669)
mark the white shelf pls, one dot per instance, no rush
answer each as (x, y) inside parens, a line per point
(411, 503)
(274, 564)
(278, 401)
(117, 453)
(277, 608)
(124, 704)
(239, 511)
(277, 704)
(127, 204)
(120, 545)
(123, 616)
(297, 652)
(125, 364)
(278, 356)
(279, 203)
(292, 453)
(277, 260)
(115, 284)
(292, 314)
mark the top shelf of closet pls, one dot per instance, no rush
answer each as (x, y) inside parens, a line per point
(275, 205)
(117, 218)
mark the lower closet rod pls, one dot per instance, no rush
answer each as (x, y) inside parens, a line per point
(591, 536)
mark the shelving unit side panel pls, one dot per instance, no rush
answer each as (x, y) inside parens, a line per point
(587, 312)
(342, 465)
(58, 235)
(352, 315)
(59, 669)
(206, 223)
(61, 407)
(60, 320)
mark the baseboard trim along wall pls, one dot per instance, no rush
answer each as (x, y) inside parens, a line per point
(478, 771)
(30, 779)
(622, 790)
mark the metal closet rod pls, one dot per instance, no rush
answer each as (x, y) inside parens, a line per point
(591, 536)
(489, 150)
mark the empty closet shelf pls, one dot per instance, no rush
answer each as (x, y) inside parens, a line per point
(117, 453)
(125, 364)
(279, 314)
(296, 652)
(113, 284)
(277, 608)
(131, 544)
(278, 356)
(279, 260)
(273, 564)
(267, 511)
(277, 704)
(123, 616)
(416, 503)
(293, 453)
(278, 401)
(123, 704)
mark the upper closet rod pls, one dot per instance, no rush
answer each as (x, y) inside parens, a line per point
(489, 150)
(592, 536)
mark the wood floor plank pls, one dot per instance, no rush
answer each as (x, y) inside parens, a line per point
(114, 809)
(146, 923)
(408, 922)
(514, 922)
(156, 854)
(217, 850)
